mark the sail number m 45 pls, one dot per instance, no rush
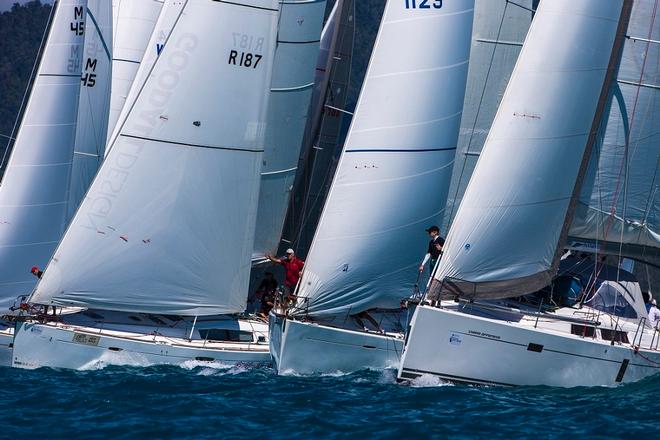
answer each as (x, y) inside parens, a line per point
(423, 4)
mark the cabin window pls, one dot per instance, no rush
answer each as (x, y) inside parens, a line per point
(134, 318)
(221, 334)
(157, 320)
(92, 315)
(615, 335)
(583, 330)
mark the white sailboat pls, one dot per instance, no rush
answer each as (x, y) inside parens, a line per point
(290, 96)
(161, 246)
(133, 24)
(391, 182)
(507, 236)
(34, 188)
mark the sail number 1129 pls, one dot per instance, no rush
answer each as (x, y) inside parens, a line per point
(423, 4)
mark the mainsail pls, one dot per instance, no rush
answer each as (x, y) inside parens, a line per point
(508, 230)
(94, 101)
(621, 212)
(33, 193)
(167, 225)
(133, 23)
(393, 176)
(500, 27)
(291, 92)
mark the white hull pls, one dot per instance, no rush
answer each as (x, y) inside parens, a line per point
(310, 348)
(6, 344)
(465, 348)
(79, 347)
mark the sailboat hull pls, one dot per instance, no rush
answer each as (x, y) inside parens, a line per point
(6, 344)
(65, 346)
(465, 348)
(310, 348)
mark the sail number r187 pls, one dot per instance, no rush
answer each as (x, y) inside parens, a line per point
(423, 4)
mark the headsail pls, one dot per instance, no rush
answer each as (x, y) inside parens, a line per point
(133, 23)
(167, 225)
(394, 173)
(33, 193)
(621, 212)
(506, 236)
(94, 102)
(291, 92)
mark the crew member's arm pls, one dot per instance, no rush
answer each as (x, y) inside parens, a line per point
(273, 259)
(426, 259)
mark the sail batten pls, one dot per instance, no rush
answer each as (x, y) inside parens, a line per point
(393, 175)
(508, 232)
(167, 225)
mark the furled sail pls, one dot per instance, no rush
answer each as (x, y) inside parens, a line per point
(291, 92)
(133, 23)
(621, 213)
(394, 173)
(500, 27)
(33, 193)
(94, 101)
(504, 239)
(167, 225)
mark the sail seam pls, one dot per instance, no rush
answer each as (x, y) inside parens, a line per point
(434, 69)
(246, 6)
(414, 124)
(126, 61)
(401, 150)
(64, 75)
(185, 144)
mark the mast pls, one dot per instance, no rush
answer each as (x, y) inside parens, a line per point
(394, 173)
(94, 101)
(33, 193)
(167, 224)
(511, 225)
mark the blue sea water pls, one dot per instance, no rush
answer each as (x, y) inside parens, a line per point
(222, 401)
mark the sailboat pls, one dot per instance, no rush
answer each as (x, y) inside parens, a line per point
(133, 23)
(396, 160)
(35, 186)
(159, 253)
(507, 238)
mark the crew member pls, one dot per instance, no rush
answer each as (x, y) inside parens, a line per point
(292, 271)
(435, 248)
(266, 292)
(654, 314)
(36, 272)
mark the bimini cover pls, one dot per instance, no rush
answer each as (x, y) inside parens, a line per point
(167, 225)
(395, 168)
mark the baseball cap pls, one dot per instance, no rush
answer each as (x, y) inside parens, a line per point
(289, 251)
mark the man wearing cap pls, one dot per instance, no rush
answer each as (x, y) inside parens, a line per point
(292, 270)
(435, 248)
(36, 272)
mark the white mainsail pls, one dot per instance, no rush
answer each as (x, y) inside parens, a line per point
(504, 239)
(94, 101)
(393, 176)
(500, 27)
(291, 92)
(621, 212)
(133, 23)
(167, 225)
(33, 193)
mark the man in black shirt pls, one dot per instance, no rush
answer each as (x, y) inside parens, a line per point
(435, 248)
(267, 290)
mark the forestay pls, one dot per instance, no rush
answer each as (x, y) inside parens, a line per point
(504, 239)
(167, 225)
(623, 205)
(133, 23)
(33, 194)
(393, 176)
(94, 101)
(291, 92)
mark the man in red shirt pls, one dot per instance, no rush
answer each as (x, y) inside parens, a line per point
(292, 270)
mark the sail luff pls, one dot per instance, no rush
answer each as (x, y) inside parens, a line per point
(167, 224)
(510, 227)
(394, 171)
(33, 193)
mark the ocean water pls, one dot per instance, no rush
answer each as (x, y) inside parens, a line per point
(225, 401)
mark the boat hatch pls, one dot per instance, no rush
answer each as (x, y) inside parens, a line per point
(222, 334)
